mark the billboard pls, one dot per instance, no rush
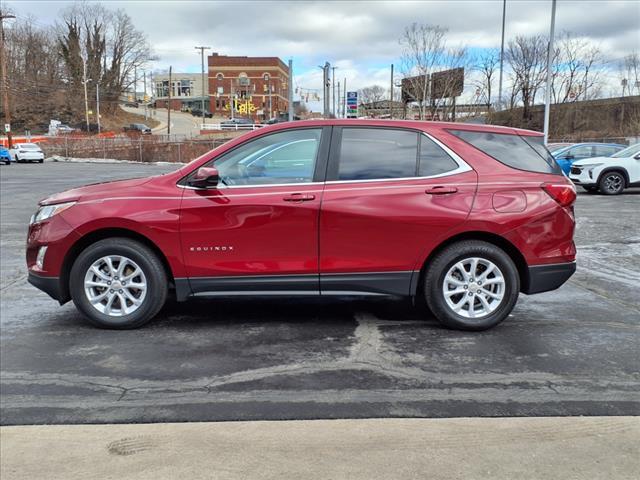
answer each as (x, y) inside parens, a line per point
(444, 84)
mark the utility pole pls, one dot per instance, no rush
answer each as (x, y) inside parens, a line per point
(86, 99)
(202, 49)
(504, 13)
(270, 109)
(98, 104)
(344, 99)
(547, 93)
(144, 79)
(391, 96)
(339, 97)
(325, 89)
(135, 83)
(290, 90)
(3, 80)
(169, 104)
(333, 85)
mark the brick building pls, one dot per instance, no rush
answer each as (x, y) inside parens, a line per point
(257, 85)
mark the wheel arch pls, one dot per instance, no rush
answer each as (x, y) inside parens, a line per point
(101, 234)
(497, 240)
(618, 169)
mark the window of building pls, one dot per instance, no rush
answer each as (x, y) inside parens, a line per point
(433, 160)
(243, 80)
(285, 157)
(377, 153)
(522, 153)
(266, 77)
(220, 77)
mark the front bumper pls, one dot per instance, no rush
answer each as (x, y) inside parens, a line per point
(49, 285)
(544, 278)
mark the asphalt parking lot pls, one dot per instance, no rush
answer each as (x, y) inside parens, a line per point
(574, 351)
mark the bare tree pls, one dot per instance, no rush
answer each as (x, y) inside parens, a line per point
(574, 76)
(486, 64)
(527, 59)
(629, 70)
(110, 46)
(373, 93)
(424, 52)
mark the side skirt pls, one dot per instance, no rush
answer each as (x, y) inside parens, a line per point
(341, 284)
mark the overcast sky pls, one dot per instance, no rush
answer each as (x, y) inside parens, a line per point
(360, 38)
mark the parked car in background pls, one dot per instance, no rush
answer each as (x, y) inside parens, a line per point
(139, 128)
(62, 129)
(566, 156)
(196, 112)
(463, 216)
(131, 104)
(237, 123)
(609, 175)
(27, 152)
(554, 147)
(5, 156)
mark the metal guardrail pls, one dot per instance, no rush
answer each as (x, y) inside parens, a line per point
(230, 126)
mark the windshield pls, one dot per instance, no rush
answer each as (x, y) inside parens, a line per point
(627, 152)
(29, 146)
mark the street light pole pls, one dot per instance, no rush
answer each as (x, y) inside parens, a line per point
(98, 104)
(290, 90)
(547, 93)
(504, 14)
(333, 86)
(3, 81)
(86, 99)
(202, 49)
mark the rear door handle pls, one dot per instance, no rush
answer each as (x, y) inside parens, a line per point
(299, 197)
(440, 190)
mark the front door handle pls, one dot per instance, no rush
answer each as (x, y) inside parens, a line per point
(299, 197)
(440, 190)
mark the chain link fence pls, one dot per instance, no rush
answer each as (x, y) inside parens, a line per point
(156, 148)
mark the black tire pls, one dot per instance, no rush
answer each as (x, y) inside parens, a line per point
(439, 267)
(612, 183)
(146, 259)
(591, 189)
(40, 161)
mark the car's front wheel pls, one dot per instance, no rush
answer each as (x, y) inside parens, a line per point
(471, 285)
(612, 183)
(118, 283)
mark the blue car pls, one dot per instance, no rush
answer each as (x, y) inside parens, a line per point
(5, 156)
(579, 151)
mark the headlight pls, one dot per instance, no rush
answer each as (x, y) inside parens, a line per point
(49, 211)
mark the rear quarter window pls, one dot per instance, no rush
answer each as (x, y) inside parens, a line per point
(520, 152)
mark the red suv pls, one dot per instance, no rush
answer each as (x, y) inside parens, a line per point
(466, 216)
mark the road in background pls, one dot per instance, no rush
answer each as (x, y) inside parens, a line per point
(569, 352)
(182, 123)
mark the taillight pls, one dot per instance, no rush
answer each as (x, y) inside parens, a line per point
(564, 194)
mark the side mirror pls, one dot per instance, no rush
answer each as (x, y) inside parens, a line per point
(205, 177)
(568, 156)
(637, 157)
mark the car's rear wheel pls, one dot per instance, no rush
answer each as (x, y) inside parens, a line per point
(612, 183)
(118, 283)
(471, 285)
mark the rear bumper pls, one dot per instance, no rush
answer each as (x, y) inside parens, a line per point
(544, 278)
(49, 285)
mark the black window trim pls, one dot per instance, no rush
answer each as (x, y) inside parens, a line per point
(336, 143)
(523, 137)
(319, 173)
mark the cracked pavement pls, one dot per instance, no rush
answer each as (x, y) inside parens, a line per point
(574, 351)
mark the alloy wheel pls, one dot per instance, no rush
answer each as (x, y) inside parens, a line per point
(474, 287)
(115, 285)
(613, 183)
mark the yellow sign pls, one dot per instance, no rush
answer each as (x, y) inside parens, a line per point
(244, 106)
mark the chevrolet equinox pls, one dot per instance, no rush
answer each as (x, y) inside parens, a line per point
(464, 216)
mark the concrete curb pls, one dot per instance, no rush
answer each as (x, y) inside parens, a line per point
(478, 448)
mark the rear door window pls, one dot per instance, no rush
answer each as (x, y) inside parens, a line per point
(521, 152)
(377, 153)
(433, 160)
(605, 150)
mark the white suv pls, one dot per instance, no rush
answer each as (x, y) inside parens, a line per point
(611, 175)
